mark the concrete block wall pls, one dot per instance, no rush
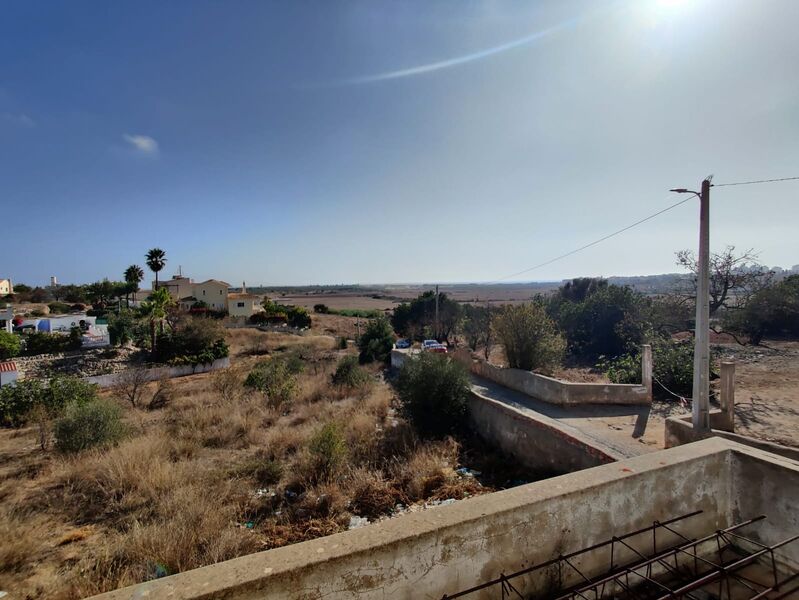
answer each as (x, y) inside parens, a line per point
(443, 550)
(556, 391)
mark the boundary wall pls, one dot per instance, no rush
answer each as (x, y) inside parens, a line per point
(446, 549)
(156, 373)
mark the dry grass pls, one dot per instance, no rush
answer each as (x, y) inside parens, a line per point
(214, 475)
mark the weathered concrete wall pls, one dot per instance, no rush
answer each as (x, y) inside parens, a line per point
(764, 484)
(446, 549)
(157, 373)
(555, 391)
(679, 431)
(537, 442)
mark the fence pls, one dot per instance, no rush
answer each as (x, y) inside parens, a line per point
(157, 373)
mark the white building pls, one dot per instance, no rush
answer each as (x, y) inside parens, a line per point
(244, 304)
(6, 287)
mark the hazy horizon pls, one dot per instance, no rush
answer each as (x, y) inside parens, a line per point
(366, 141)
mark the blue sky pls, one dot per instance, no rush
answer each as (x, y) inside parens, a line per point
(332, 142)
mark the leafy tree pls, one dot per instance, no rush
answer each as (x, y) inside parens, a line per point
(609, 322)
(192, 340)
(156, 261)
(134, 275)
(476, 327)
(580, 288)
(122, 327)
(771, 311)
(417, 319)
(298, 317)
(10, 345)
(734, 278)
(74, 294)
(433, 393)
(101, 293)
(39, 295)
(530, 337)
(377, 341)
(321, 309)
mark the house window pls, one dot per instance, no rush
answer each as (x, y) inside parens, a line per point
(220, 292)
(240, 304)
(203, 292)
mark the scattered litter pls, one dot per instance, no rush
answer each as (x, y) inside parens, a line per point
(3, 594)
(356, 522)
(249, 524)
(446, 502)
(467, 472)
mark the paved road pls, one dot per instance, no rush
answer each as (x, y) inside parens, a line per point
(617, 428)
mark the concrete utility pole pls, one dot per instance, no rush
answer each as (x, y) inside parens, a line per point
(436, 336)
(700, 417)
(701, 391)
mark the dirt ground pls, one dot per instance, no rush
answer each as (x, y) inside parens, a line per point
(766, 400)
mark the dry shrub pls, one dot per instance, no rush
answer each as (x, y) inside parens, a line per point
(371, 496)
(114, 485)
(283, 442)
(324, 501)
(363, 437)
(217, 425)
(429, 468)
(196, 528)
(227, 384)
(20, 537)
(164, 394)
(282, 534)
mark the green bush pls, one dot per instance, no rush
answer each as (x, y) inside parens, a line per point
(193, 340)
(673, 367)
(298, 317)
(609, 321)
(122, 327)
(773, 311)
(58, 308)
(329, 451)
(349, 374)
(10, 345)
(274, 379)
(341, 343)
(530, 337)
(433, 392)
(321, 309)
(83, 426)
(18, 401)
(40, 342)
(377, 341)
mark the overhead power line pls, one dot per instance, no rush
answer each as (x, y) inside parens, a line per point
(754, 182)
(594, 243)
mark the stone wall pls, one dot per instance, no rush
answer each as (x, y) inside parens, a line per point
(82, 363)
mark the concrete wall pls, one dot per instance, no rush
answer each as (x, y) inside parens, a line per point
(446, 549)
(538, 442)
(157, 373)
(768, 485)
(555, 391)
(679, 431)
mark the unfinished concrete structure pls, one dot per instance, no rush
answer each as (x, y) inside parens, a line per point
(445, 551)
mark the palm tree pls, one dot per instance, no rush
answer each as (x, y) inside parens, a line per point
(154, 309)
(156, 260)
(133, 276)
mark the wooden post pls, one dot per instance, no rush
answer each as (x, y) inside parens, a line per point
(646, 369)
(727, 389)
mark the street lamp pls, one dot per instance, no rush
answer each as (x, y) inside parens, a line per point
(700, 412)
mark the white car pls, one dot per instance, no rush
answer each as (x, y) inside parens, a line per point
(427, 344)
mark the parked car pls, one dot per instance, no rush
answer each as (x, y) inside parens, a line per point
(438, 349)
(427, 344)
(403, 343)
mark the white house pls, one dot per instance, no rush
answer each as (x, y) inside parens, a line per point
(179, 286)
(6, 287)
(8, 372)
(244, 304)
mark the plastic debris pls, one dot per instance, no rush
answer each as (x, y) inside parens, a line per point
(467, 472)
(356, 522)
(249, 524)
